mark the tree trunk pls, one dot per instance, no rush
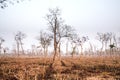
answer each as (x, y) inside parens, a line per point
(55, 41)
(91, 47)
(18, 48)
(105, 48)
(59, 50)
(81, 49)
(73, 52)
(21, 47)
(44, 52)
(67, 48)
(102, 46)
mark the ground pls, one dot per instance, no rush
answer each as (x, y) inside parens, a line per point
(66, 68)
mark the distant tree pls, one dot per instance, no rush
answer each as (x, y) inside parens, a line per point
(68, 33)
(107, 37)
(104, 38)
(5, 50)
(1, 41)
(45, 41)
(111, 48)
(115, 39)
(73, 50)
(33, 50)
(100, 37)
(81, 41)
(18, 38)
(73, 40)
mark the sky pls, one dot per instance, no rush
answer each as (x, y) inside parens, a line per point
(86, 16)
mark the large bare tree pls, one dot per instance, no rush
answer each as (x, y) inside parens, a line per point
(58, 29)
(55, 23)
(18, 38)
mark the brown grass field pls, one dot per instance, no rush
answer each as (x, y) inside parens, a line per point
(67, 68)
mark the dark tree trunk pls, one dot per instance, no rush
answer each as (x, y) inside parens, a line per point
(81, 49)
(55, 41)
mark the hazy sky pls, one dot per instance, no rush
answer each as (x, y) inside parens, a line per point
(86, 16)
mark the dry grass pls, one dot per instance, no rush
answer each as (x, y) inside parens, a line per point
(82, 68)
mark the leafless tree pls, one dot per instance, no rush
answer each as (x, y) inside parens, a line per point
(18, 38)
(73, 40)
(45, 41)
(104, 38)
(55, 23)
(81, 41)
(100, 37)
(68, 33)
(115, 39)
(1, 42)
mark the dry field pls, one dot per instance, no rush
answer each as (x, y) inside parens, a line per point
(68, 68)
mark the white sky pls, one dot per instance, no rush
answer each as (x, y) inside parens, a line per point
(86, 16)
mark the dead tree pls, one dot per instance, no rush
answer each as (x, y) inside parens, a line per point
(81, 41)
(45, 41)
(73, 40)
(55, 23)
(18, 38)
(100, 37)
(105, 38)
(68, 33)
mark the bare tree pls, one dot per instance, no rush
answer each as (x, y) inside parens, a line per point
(45, 41)
(115, 39)
(81, 41)
(68, 33)
(1, 41)
(73, 40)
(100, 37)
(73, 50)
(18, 38)
(55, 23)
(106, 38)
